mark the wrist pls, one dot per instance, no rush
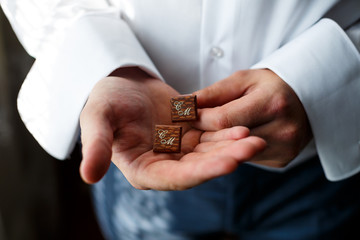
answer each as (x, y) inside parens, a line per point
(132, 73)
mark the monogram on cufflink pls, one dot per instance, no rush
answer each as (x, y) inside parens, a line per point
(183, 108)
(167, 139)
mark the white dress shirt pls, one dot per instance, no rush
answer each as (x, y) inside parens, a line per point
(190, 44)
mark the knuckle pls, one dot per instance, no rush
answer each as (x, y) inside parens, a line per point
(222, 121)
(289, 133)
(280, 105)
(290, 137)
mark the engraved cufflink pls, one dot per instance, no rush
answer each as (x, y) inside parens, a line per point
(167, 139)
(183, 108)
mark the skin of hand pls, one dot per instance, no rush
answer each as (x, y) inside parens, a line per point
(260, 100)
(117, 125)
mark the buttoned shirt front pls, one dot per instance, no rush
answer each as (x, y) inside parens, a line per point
(190, 44)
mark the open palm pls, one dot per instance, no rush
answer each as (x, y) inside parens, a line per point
(117, 124)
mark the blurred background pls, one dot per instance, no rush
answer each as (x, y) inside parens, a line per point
(40, 197)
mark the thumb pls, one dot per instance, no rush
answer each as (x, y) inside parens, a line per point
(97, 137)
(223, 91)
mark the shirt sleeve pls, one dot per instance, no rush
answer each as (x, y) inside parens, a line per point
(75, 43)
(322, 65)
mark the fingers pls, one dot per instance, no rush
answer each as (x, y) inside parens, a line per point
(233, 133)
(223, 158)
(249, 111)
(208, 146)
(221, 138)
(247, 98)
(241, 150)
(96, 136)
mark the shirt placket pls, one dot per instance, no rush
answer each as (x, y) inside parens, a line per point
(216, 63)
(216, 40)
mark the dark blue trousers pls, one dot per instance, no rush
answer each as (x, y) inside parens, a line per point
(250, 203)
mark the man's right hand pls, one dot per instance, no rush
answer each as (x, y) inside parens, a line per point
(117, 125)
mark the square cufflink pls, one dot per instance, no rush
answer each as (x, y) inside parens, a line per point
(183, 108)
(167, 139)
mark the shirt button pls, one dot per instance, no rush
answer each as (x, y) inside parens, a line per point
(216, 52)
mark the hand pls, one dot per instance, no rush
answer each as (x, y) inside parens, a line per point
(117, 124)
(263, 102)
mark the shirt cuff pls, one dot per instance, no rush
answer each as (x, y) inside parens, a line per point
(323, 67)
(54, 92)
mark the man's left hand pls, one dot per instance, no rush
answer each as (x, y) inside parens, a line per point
(263, 102)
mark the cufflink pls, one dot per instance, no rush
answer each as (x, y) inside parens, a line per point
(183, 108)
(167, 139)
